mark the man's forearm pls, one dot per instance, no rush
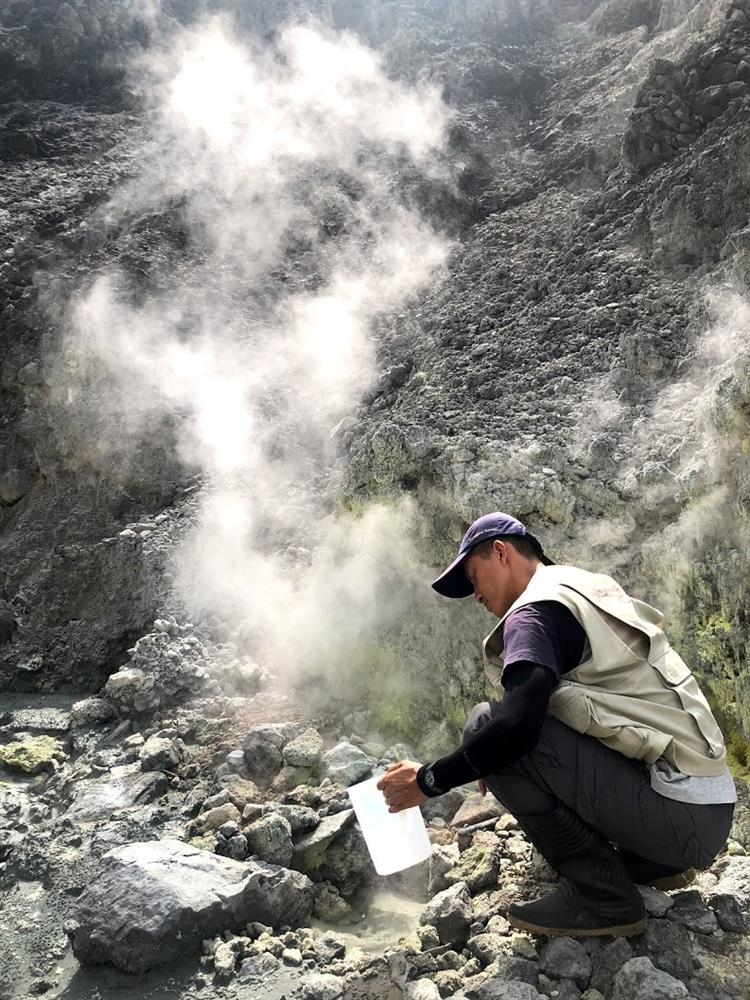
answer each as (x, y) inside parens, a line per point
(511, 734)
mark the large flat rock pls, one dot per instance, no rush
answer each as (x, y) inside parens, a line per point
(99, 798)
(157, 900)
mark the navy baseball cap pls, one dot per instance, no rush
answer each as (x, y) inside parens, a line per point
(452, 582)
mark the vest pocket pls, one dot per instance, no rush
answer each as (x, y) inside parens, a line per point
(573, 706)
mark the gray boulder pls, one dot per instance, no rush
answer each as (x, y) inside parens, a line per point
(638, 979)
(346, 764)
(270, 838)
(347, 861)
(300, 818)
(735, 880)
(156, 900)
(442, 806)
(305, 750)
(262, 749)
(90, 712)
(99, 798)
(450, 913)
(310, 849)
(566, 958)
(161, 754)
(443, 859)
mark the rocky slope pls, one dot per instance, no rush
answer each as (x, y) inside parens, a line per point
(578, 356)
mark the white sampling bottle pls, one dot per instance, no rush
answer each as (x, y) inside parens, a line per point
(395, 840)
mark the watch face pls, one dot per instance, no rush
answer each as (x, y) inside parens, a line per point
(429, 778)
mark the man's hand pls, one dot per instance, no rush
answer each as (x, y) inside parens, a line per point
(399, 785)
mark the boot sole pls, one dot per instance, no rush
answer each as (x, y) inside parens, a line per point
(617, 930)
(675, 881)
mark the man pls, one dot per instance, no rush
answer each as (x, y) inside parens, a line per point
(603, 746)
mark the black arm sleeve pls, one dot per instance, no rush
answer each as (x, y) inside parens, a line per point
(513, 731)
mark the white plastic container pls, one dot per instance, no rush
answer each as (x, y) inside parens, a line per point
(395, 840)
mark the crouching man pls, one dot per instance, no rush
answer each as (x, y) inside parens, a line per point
(602, 746)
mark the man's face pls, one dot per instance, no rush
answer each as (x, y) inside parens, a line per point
(492, 578)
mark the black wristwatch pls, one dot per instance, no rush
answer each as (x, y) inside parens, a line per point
(426, 782)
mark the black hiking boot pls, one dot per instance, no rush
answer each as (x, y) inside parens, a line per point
(596, 896)
(645, 872)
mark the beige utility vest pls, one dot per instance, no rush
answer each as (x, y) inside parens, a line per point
(634, 692)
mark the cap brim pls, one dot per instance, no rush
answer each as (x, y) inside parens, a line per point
(452, 582)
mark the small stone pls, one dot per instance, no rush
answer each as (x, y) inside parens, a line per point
(305, 750)
(607, 962)
(291, 956)
(735, 881)
(444, 857)
(450, 913)
(225, 958)
(476, 808)
(485, 947)
(421, 989)
(690, 911)
(523, 947)
(310, 849)
(329, 906)
(512, 967)
(566, 958)
(449, 981)
(270, 838)
(258, 967)
(639, 980)
(90, 711)
(346, 764)
(728, 913)
(499, 989)
(657, 902)
(478, 867)
(161, 754)
(214, 818)
(235, 759)
(428, 935)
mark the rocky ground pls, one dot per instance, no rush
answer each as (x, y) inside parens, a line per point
(581, 362)
(202, 852)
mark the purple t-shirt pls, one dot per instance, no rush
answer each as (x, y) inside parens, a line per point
(544, 632)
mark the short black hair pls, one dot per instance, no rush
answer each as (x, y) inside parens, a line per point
(521, 544)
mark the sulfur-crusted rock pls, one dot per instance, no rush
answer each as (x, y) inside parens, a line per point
(478, 867)
(40, 753)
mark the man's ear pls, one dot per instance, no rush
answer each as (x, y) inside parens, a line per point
(499, 547)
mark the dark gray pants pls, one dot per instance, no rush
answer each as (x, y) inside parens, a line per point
(610, 792)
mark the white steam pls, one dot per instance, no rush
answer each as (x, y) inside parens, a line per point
(268, 155)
